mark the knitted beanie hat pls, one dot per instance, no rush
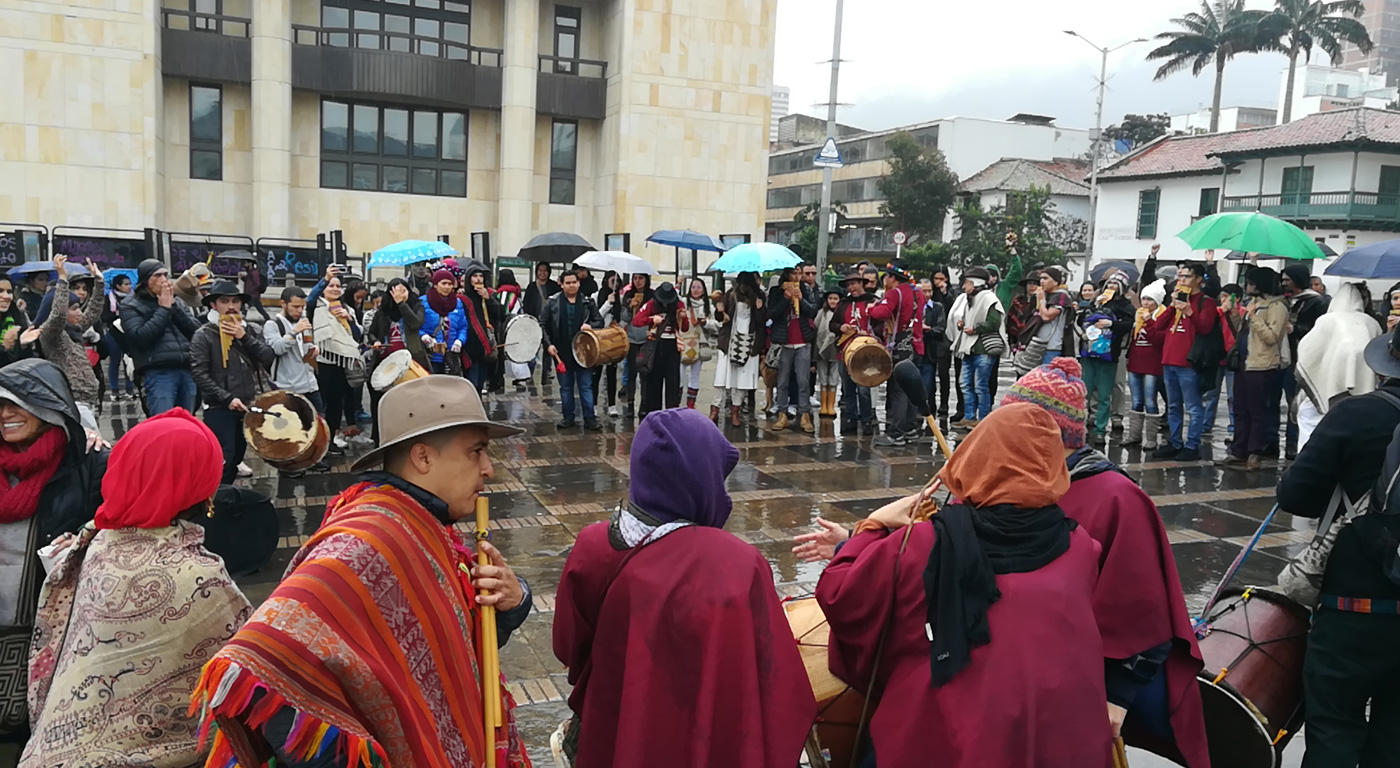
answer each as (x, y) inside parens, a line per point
(1059, 389)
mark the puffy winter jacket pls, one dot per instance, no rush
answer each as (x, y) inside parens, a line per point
(456, 326)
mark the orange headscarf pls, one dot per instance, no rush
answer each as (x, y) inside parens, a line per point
(1015, 456)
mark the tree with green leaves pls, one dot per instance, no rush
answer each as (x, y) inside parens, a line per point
(1031, 215)
(1211, 37)
(1138, 130)
(919, 188)
(1295, 27)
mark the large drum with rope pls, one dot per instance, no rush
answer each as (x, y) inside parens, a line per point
(832, 740)
(594, 347)
(868, 362)
(1253, 642)
(523, 338)
(284, 430)
(243, 530)
(394, 369)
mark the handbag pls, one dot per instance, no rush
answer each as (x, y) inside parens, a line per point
(356, 372)
(1030, 357)
(993, 344)
(740, 348)
(647, 354)
(1301, 578)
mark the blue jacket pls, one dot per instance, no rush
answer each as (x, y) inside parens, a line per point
(457, 326)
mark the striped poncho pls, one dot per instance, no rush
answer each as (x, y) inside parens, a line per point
(371, 638)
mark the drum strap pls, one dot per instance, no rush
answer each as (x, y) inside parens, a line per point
(1359, 604)
(879, 653)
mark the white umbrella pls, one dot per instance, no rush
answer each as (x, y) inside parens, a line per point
(620, 262)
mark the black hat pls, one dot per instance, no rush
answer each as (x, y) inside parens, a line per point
(666, 295)
(223, 288)
(976, 273)
(1383, 354)
(854, 275)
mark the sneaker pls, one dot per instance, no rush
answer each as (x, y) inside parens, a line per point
(868, 428)
(890, 441)
(613, 412)
(967, 424)
(340, 442)
(291, 475)
(566, 424)
(1189, 454)
(335, 450)
(592, 425)
(1231, 461)
(321, 466)
(1167, 451)
(244, 470)
(349, 432)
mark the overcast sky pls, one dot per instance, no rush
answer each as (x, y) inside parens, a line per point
(909, 61)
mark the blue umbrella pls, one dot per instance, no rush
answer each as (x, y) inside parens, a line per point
(31, 268)
(406, 252)
(1377, 260)
(755, 257)
(684, 238)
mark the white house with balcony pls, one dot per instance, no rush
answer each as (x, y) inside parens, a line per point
(1334, 174)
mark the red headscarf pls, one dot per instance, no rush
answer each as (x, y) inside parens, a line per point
(162, 467)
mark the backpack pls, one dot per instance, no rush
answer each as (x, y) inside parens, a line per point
(1385, 494)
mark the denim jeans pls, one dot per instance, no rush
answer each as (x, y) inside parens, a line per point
(1050, 356)
(795, 362)
(1211, 401)
(114, 365)
(168, 388)
(1183, 392)
(855, 399)
(480, 370)
(976, 371)
(1144, 389)
(583, 378)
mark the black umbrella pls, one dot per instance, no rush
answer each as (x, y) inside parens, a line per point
(555, 247)
(1244, 255)
(1127, 267)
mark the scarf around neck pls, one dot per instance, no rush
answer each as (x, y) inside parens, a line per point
(32, 469)
(333, 336)
(971, 547)
(443, 305)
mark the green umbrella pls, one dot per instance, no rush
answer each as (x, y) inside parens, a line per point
(1255, 232)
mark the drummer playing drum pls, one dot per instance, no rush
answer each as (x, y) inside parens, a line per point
(852, 319)
(229, 377)
(565, 314)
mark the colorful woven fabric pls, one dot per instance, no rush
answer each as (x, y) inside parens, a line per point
(1059, 389)
(371, 638)
(1359, 604)
(125, 622)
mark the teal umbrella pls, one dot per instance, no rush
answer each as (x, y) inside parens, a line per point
(1255, 232)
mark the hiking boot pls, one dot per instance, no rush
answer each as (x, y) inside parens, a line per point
(1189, 454)
(807, 423)
(566, 424)
(782, 423)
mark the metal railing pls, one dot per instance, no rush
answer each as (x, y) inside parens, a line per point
(215, 23)
(560, 65)
(398, 42)
(1361, 206)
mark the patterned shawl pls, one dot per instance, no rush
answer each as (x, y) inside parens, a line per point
(371, 638)
(126, 620)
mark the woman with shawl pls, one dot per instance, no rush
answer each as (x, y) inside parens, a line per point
(675, 640)
(1331, 365)
(485, 319)
(132, 696)
(53, 485)
(336, 331)
(696, 342)
(992, 656)
(743, 335)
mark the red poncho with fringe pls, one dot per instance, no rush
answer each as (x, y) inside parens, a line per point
(371, 637)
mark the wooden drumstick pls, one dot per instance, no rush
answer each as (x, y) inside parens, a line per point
(938, 435)
(490, 655)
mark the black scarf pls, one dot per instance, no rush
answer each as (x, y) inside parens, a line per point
(971, 548)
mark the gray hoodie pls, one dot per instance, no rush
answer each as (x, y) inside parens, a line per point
(290, 372)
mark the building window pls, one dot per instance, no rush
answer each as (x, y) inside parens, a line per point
(563, 162)
(426, 27)
(393, 149)
(1297, 185)
(1148, 200)
(1210, 202)
(566, 29)
(206, 132)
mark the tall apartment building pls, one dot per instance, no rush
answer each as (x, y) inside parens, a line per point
(1382, 20)
(387, 119)
(782, 102)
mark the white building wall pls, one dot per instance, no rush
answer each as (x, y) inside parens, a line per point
(1116, 225)
(1331, 172)
(970, 144)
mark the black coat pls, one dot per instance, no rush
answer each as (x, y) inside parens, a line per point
(156, 336)
(936, 343)
(534, 299)
(554, 324)
(1347, 448)
(1124, 317)
(242, 378)
(780, 312)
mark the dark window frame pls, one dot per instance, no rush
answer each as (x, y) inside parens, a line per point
(206, 145)
(343, 162)
(563, 174)
(1302, 185)
(1391, 195)
(1209, 202)
(436, 45)
(567, 65)
(1147, 219)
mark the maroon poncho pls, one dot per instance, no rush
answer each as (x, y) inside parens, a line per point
(1032, 698)
(688, 662)
(1138, 601)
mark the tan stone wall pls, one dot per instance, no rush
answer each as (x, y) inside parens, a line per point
(197, 205)
(81, 84)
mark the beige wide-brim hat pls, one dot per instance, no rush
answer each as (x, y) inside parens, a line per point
(417, 407)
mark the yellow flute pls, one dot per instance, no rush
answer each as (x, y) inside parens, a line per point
(490, 655)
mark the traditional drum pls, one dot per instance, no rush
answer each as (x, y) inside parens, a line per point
(523, 337)
(395, 368)
(243, 529)
(868, 362)
(1252, 684)
(284, 429)
(595, 347)
(833, 736)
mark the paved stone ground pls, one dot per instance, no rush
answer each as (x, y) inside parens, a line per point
(550, 484)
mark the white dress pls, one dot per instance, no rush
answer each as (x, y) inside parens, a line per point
(742, 377)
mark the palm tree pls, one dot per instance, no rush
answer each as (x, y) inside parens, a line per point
(1295, 26)
(1215, 34)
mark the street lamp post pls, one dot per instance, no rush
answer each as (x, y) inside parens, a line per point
(1098, 138)
(824, 215)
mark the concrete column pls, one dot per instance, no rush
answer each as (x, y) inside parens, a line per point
(272, 118)
(521, 65)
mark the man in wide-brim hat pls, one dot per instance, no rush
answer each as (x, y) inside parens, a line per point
(228, 364)
(1354, 648)
(381, 611)
(852, 319)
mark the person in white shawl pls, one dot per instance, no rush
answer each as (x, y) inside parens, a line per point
(978, 333)
(1331, 365)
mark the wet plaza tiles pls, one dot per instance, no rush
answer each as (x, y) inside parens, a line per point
(550, 484)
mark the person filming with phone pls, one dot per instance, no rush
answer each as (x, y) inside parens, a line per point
(1191, 314)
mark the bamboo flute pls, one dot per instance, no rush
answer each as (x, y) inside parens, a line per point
(490, 654)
